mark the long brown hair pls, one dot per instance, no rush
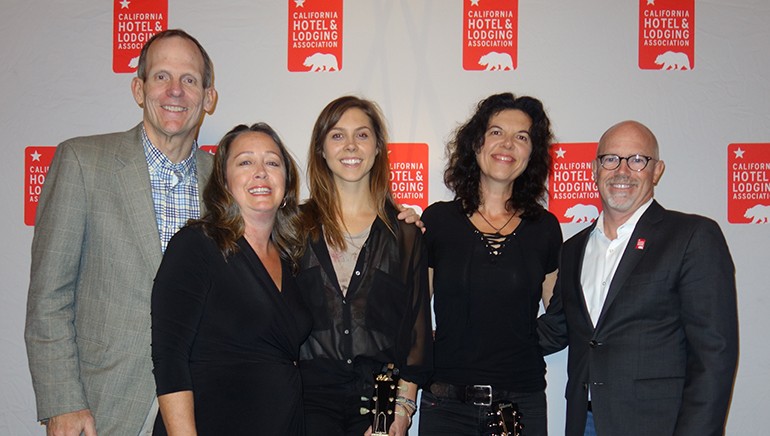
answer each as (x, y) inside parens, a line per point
(322, 210)
(223, 221)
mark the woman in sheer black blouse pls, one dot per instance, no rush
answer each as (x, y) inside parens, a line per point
(363, 276)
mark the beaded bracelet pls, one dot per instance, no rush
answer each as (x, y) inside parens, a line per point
(407, 404)
(408, 409)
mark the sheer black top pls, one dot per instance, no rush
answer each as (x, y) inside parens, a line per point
(384, 317)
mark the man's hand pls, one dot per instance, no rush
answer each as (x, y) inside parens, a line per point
(72, 424)
(408, 215)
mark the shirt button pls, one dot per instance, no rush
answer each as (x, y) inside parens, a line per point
(358, 273)
(347, 332)
(344, 301)
(349, 361)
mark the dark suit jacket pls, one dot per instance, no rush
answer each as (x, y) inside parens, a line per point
(95, 252)
(662, 358)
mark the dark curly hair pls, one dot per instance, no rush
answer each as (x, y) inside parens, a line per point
(223, 221)
(462, 174)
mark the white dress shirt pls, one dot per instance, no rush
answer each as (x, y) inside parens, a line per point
(601, 260)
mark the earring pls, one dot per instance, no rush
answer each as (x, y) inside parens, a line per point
(283, 203)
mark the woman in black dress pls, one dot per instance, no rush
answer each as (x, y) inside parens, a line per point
(493, 255)
(363, 276)
(227, 317)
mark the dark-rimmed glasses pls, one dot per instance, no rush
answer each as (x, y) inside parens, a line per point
(635, 162)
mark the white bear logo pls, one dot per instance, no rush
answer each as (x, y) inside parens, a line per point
(134, 62)
(759, 213)
(673, 60)
(321, 62)
(496, 61)
(417, 209)
(582, 213)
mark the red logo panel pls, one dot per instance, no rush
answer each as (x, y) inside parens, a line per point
(490, 35)
(572, 193)
(748, 183)
(135, 22)
(210, 149)
(315, 35)
(409, 174)
(666, 34)
(37, 160)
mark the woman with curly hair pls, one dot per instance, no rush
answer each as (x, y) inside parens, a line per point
(493, 255)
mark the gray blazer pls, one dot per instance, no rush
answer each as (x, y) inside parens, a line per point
(95, 253)
(663, 355)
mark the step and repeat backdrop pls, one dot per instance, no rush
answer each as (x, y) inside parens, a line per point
(695, 72)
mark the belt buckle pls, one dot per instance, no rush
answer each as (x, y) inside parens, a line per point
(488, 388)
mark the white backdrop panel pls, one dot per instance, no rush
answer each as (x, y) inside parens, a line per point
(580, 58)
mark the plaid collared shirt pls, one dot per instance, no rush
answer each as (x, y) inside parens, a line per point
(174, 190)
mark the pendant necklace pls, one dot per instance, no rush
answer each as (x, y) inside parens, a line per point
(497, 230)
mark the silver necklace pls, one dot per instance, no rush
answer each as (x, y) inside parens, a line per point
(350, 238)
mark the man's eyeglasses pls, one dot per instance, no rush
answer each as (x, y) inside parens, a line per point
(635, 162)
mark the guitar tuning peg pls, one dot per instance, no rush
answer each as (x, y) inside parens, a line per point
(364, 399)
(402, 388)
(364, 411)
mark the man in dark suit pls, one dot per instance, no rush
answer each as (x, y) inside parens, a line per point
(109, 205)
(646, 301)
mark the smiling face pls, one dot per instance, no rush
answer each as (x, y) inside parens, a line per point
(623, 190)
(173, 96)
(350, 148)
(505, 152)
(256, 174)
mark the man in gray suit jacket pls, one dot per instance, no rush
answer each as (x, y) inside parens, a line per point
(646, 301)
(108, 207)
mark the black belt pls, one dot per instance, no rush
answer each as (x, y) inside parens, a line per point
(478, 395)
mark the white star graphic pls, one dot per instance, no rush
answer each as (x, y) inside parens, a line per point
(560, 152)
(650, 2)
(739, 153)
(299, 3)
(475, 2)
(124, 4)
(35, 156)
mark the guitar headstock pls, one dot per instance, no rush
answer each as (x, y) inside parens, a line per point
(506, 419)
(383, 401)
